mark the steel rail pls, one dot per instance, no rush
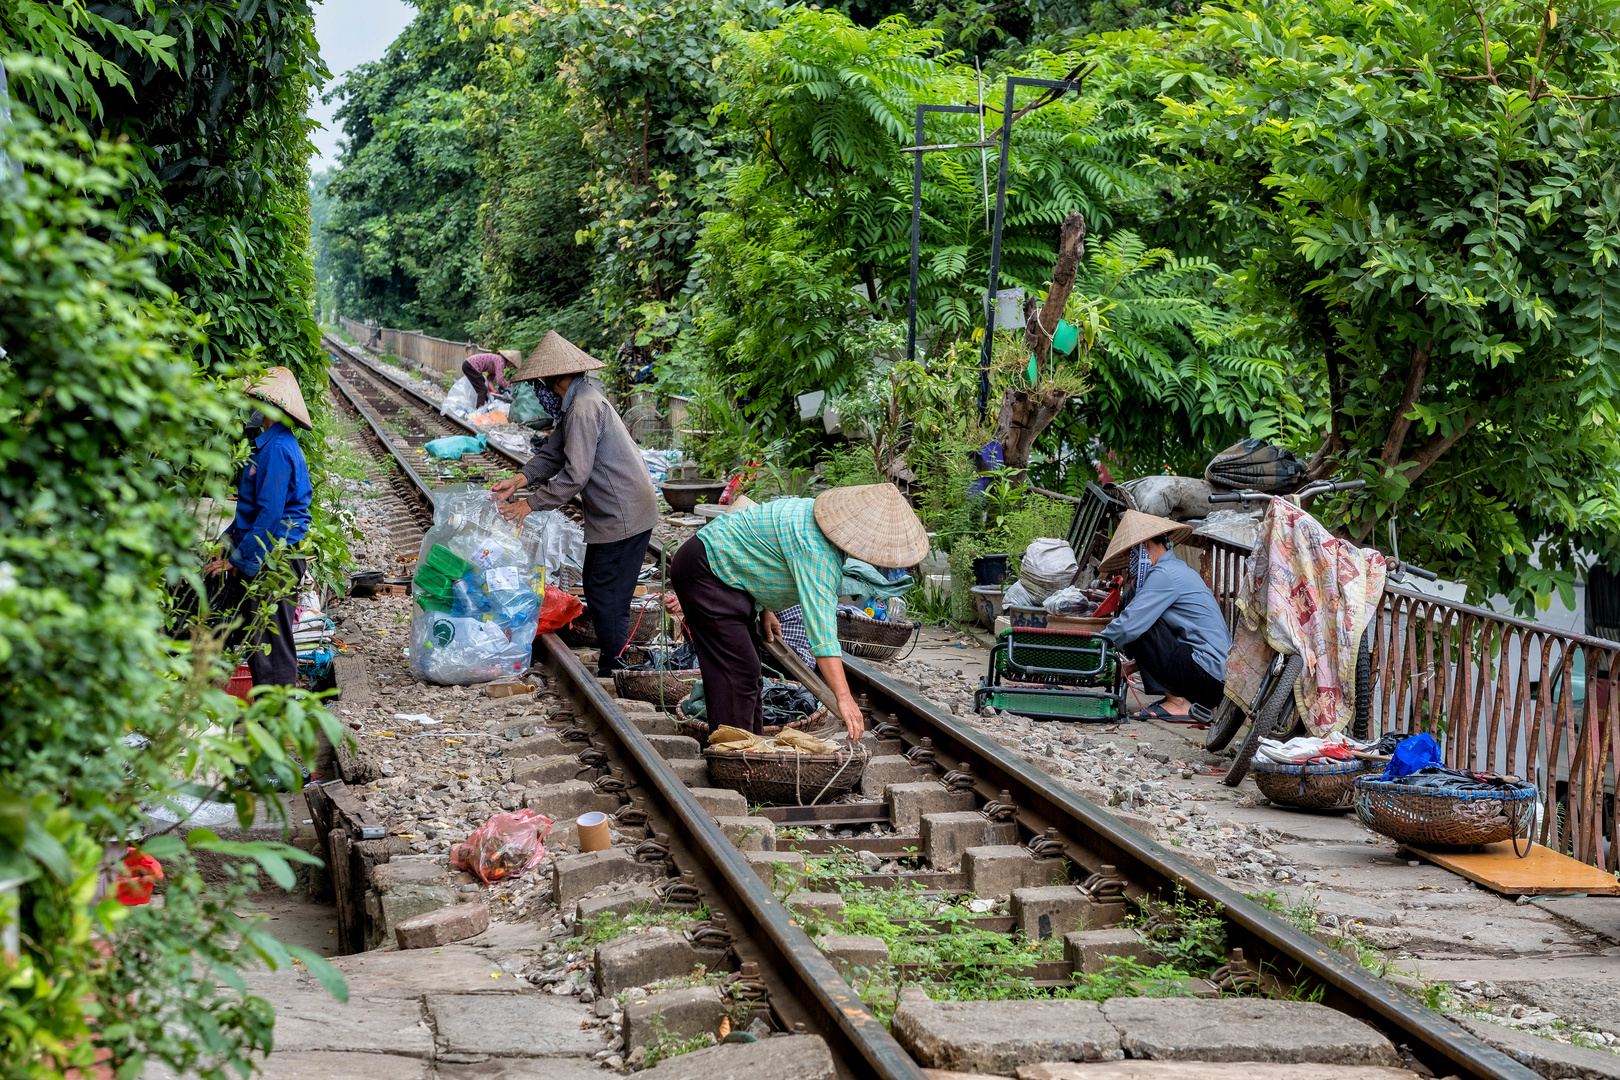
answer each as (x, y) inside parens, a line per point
(422, 399)
(805, 987)
(1093, 838)
(376, 429)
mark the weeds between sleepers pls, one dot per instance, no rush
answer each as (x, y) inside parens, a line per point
(600, 929)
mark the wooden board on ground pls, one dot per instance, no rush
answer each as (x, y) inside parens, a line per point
(1543, 872)
(353, 680)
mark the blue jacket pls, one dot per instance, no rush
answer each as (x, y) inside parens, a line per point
(272, 499)
(1171, 590)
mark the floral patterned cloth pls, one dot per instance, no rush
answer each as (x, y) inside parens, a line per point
(1305, 592)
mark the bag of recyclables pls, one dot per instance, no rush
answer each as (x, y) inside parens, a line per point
(476, 601)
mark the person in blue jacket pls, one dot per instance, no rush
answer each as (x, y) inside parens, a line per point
(1170, 626)
(273, 497)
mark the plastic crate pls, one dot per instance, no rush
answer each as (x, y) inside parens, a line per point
(1052, 704)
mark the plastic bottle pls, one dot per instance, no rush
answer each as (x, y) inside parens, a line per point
(468, 600)
(510, 598)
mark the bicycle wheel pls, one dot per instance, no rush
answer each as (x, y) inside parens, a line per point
(1228, 718)
(1268, 716)
(1363, 721)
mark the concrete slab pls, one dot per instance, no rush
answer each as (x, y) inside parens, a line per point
(749, 833)
(1243, 1029)
(944, 837)
(682, 1013)
(639, 959)
(851, 953)
(454, 923)
(513, 1025)
(1091, 950)
(513, 1069)
(1526, 971)
(909, 802)
(1055, 910)
(676, 747)
(998, 1036)
(539, 771)
(452, 969)
(781, 870)
(820, 905)
(885, 769)
(1595, 914)
(620, 902)
(1554, 1060)
(341, 1065)
(693, 772)
(576, 876)
(1208, 1070)
(997, 870)
(314, 1021)
(1588, 1003)
(796, 1057)
(721, 802)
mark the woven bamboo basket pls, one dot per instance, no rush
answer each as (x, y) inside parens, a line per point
(699, 729)
(787, 779)
(662, 688)
(1445, 817)
(873, 639)
(1310, 787)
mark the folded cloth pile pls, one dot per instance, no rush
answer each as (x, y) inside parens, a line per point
(872, 587)
(1308, 750)
(312, 635)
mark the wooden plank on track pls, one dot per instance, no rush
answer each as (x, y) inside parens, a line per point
(1543, 872)
(353, 680)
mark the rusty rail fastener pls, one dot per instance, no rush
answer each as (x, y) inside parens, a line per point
(1001, 808)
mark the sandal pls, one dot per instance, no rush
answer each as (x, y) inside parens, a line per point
(1159, 712)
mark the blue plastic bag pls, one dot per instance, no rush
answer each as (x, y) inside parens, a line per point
(451, 447)
(1412, 755)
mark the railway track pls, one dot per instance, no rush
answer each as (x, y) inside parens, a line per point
(942, 769)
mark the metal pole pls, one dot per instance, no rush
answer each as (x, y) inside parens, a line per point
(917, 151)
(916, 235)
(995, 253)
(990, 305)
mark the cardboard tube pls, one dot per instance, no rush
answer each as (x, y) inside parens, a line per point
(593, 832)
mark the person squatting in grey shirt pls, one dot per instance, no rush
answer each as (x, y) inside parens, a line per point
(1172, 630)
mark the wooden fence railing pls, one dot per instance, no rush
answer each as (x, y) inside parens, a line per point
(434, 353)
(1499, 694)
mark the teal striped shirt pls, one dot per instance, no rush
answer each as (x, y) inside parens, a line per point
(777, 554)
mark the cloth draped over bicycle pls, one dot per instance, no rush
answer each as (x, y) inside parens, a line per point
(1306, 593)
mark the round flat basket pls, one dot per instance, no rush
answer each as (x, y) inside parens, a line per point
(873, 639)
(699, 729)
(1434, 816)
(787, 779)
(1310, 787)
(662, 688)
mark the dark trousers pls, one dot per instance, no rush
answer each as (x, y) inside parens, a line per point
(1167, 666)
(611, 571)
(476, 377)
(720, 621)
(228, 599)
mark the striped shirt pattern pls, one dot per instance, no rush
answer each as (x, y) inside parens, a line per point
(777, 554)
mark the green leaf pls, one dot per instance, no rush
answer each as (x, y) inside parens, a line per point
(330, 977)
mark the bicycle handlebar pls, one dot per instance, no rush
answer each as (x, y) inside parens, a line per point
(1319, 487)
(1416, 571)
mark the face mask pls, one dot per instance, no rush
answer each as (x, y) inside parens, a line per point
(255, 419)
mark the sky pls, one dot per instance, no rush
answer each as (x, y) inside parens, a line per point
(351, 32)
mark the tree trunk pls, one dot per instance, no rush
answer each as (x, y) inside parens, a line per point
(1026, 413)
(1071, 249)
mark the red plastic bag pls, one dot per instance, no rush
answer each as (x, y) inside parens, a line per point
(141, 872)
(558, 609)
(507, 845)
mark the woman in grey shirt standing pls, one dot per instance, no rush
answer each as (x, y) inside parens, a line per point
(590, 454)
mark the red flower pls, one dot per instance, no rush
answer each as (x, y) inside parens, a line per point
(134, 883)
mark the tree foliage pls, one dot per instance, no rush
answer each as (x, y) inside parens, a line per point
(1423, 196)
(108, 433)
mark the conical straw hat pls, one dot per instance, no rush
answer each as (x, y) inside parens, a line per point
(280, 388)
(1134, 528)
(741, 502)
(873, 523)
(556, 355)
(512, 357)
